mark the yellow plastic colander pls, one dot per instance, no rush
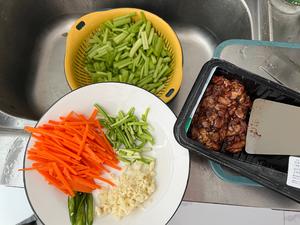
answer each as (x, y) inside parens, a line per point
(86, 26)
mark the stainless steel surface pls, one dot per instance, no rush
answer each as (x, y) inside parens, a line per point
(35, 42)
(204, 186)
(277, 63)
(32, 41)
(284, 21)
(13, 142)
(12, 145)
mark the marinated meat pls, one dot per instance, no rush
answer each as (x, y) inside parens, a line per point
(221, 116)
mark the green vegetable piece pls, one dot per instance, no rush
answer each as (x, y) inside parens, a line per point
(148, 27)
(141, 29)
(80, 214)
(109, 76)
(129, 37)
(135, 47)
(154, 85)
(153, 58)
(120, 37)
(118, 56)
(160, 88)
(109, 24)
(104, 113)
(89, 209)
(72, 209)
(158, 46)
(144, 40)
(150, 38)
(143, 16)
(157, 67)
(105, 36)
(142, 123)
(124, 55)
(123, 63)
(135, 80)
(155, 37)
(135, 27)
(141, 72)
(145, 114)
(120, 78)
(163, 79)
(146, 67)
(121, 22)
(164, 53)
(166, 59)
(118, 30)
(136, 61)
(125, 16)
(162, 72)
(123, 120)
(131, 76)
(144, 81)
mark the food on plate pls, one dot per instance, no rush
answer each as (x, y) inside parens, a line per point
(81, 209)
(128, 50)
(76, 154)
(133, 187)
(129, 134)
(72, 152)
(220, 119)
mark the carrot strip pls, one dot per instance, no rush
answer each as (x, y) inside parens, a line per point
(53, 181)
(62, 178)
(93, 155)
(63, 150)
(106, 181)
(71, 152)
(93, 115)
(53, 122)
(79, 187)
(112, 165)
(53, 157)
(90, 184)
(78, 123)
(82, 144)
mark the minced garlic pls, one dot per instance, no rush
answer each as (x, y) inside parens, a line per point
(134, 186)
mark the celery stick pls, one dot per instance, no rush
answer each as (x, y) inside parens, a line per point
(135, 47)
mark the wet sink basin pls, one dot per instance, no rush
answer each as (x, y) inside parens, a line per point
(33, 35)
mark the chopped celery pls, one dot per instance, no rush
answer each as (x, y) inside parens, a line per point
(126, 43)
(135, 47)
(121, 22)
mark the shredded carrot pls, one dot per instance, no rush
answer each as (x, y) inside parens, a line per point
(107, 181)
(93, 115)
(72, 152)
(82, 144)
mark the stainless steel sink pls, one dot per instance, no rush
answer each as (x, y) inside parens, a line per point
(33, 34)
(32, 46)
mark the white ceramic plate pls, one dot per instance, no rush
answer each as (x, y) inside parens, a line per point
(172, 160)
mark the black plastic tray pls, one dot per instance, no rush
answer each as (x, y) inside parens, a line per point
(270, 171)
